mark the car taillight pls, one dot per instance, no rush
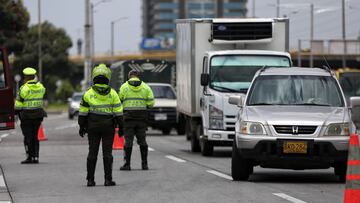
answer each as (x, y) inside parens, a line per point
(10, 125)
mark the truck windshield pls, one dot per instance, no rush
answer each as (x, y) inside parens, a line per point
(233, 73)
(295, 90)
(350, 83)
(163, 92)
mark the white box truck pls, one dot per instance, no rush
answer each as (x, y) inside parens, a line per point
(215, 59)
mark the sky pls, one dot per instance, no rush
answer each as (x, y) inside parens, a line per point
(70, 15)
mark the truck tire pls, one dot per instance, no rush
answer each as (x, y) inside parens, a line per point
(240, 167)
(340, 171)
(195, 144)
(166, 131)
(181, 126)
(188, 130)
(207, 148)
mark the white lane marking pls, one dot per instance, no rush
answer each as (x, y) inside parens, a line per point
(4, 135)
(56, 117)
(289, 198)
(175, 159)
(151, 149)
(2, 181)
(2, 201)
(222, 175)
(66, 126)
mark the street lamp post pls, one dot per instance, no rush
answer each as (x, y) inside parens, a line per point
(343, 33)
(112, 24)
(39, 43)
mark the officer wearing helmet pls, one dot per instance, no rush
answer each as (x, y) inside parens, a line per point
(29, 107)
(100, 112)
(136, 97)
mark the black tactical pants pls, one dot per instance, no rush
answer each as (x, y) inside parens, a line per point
(106, 135)
(135, 128)
(29, 128)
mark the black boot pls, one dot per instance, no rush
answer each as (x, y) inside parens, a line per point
(28, 160)
(127, 158)
(35, 160)
(108, 162)
(144, 154)
(90, 165)
(91, 183)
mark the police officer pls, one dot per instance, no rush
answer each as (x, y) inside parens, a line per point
(136, 97)
(29, 107)
(100, 112)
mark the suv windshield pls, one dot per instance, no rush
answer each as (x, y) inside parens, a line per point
(295, 90)
(163, 92)
(234, 73)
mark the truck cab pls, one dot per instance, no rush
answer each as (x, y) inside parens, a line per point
(6, 93)
(225, 74)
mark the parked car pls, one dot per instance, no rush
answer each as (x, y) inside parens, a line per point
(74, 104)
(163, 115)
(292, 118)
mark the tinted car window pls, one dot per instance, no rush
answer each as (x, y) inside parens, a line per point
(163, 92)
(295, 90)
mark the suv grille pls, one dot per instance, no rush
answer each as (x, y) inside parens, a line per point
(169, 111)
(242, 31)
(294, 130)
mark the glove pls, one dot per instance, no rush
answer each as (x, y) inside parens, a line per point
(82, 131)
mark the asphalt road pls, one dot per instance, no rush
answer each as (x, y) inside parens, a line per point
(175, 175)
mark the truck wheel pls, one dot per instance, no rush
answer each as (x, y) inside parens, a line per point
(166, 131)
(188, 130)
(181, 126)
(195, 145)
(340, 171)
(240, 167)
(207, 148)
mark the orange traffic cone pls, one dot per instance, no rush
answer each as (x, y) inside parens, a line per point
(352, 188)
(118, 141)
(41, 134)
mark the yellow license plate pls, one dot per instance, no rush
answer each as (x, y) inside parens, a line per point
(295, 147)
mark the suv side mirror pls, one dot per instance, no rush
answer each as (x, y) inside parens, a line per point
(236, 100)
(354, 102)
(205, 78)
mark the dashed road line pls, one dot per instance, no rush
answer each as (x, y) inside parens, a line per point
(66, 126)
(222, 175)
(151, 149)
(2, 181)
(175, 159)
(2, 201)
(289, 198)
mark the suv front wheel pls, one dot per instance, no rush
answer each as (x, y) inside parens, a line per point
(240, 168)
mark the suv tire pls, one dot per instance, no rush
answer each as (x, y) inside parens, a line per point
(340, 171)
(240, 167)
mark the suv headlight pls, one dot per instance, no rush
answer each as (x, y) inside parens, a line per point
(216, 118)
(252, 128)
(338, 129)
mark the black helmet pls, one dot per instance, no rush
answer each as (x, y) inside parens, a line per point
(134, 73)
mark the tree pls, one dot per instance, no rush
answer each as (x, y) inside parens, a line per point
(14, 20)
(55, 45)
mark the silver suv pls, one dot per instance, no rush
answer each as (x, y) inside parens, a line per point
(292, 118)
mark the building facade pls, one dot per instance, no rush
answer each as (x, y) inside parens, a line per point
(158, 16)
